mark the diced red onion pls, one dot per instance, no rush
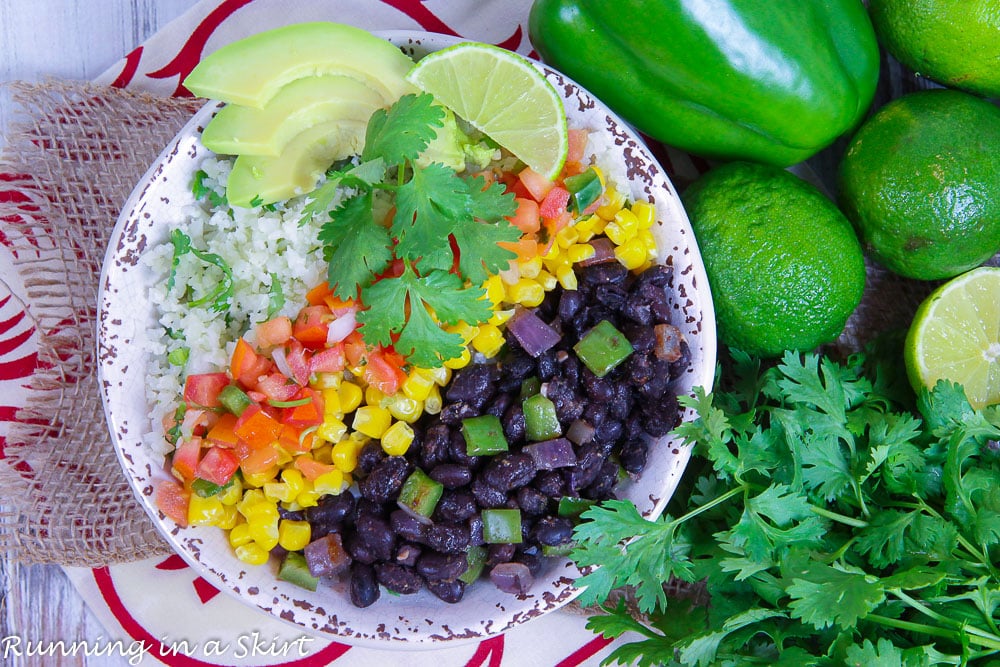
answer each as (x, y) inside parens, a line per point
(341, 327)
(534, 335)
(278, 354)
(326, 556)
(551, 454)
(514, 578)
(604, 251)
(191, 419)
(420, 518)
(580, 432)
(668, 342)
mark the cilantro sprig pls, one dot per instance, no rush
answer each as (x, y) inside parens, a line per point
(445, 228)
(829, 519)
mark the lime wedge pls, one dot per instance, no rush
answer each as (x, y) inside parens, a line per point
(503, 95)
(955, 335)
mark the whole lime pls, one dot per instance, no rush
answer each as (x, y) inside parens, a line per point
(921, 181)
(953, 42)
(783, 263)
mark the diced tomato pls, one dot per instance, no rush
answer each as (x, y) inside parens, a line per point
(328, 360)
(384, 371)
(259, 460)
(527, 217)
(526, 247)
(257, 428)
(558, 223)
(202, 389)
(338, 306)
(554, 204)
(311, 325)
(298, 362)
(276, 331)
(172, 499)
(577, 139)
(222, 433)
(246, 365)
(295, 441)
(276, 387)
(354, 348)
(311, 468)
(306, 415)
(185, 459)
(394, 270)
(318, 294)
(537, 185)
(218, 465)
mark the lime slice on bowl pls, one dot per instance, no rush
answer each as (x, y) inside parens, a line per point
(955, 335)
(477, 82)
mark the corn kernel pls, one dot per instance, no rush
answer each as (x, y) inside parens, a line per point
(372, 420)
(240, 535)
(332, 429)
(567, 277)
(330, 483)
(250, 498)
(493, 286)
(645, 214)
(649, 241)
(501, 316)
(463, 329)
(614, 201)
(258, 479)
(632, 254)
(325, 381)
(232, 493)
(373, 395)
(230, 517)
(252, 554)
(397, 439)
(600, 175)
(617, 234)
(350, 396)
(580, 252)
(455, 363)
(433, 404)
(205, 511)
(530, 267)
(551, 252)
(526, 292)
(345, 454)
(284, 458)
(628, 222)
(265, 511)
(264, 533)
(417, 385)
(308, 498)
(294, 479)
(489, 341)
(404, 408)
(331, 403)
(441, 375)
(294, 535)
(323, 452)
(567, 236)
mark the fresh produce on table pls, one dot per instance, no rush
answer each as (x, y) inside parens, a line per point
(784, 265)
(412, 376)
(731, 79)
(828, 520)
(921, 181)
(954, 43)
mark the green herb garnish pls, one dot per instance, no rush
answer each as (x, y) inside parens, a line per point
(217, 298)
(829, 523)
(202, 191)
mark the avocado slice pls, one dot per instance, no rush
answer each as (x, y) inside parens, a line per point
(252, 70)
(303, 103)
(259, 179)
(295, 570)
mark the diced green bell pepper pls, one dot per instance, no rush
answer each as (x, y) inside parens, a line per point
(540, 419)
(420, 493)
(602, 348)
(483, 435)
(502, 526)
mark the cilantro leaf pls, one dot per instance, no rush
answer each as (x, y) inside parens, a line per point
(481, 255)
(489, 203)
(825, 595)
(402, 132)
(202, 191)
(356, 248)
(424, 342)
(452, 301)
(868, 655)
(427, 208)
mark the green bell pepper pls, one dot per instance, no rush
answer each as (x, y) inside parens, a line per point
(772, 82)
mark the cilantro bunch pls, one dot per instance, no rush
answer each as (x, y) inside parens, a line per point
(443, 230)
(830, 520)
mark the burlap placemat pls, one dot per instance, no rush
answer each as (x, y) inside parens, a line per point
(75, 150)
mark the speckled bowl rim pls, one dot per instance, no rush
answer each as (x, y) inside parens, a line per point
(405, 622)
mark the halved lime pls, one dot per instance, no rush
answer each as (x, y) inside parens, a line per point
(955, 335)
(503, 95)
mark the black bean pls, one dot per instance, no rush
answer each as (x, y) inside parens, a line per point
(621, 402)
(291, 515)
(603, 273)
(407, 554)
(377, 535)
(633, 455)
(407, 527)
(569, 303)
(435, 566)
(474, 384)
(602, 486)
(532, 501)
(638, 310)
(678, 367)
(608, 431)
(658, 383)
(332, 509)
(639, 368)
(457, 451)
(509, 471)
(514, 427)
(451, 475)
(530, 558)
(548, 365)
(515, 369)
(398, 579)
(551, 483)
(369, 456)
(453, 413)
(589, 462)
(384, 481)
(358, 549)
(450, 591)
(455, 506)
(500, 553)
(567, 404)
(553, 530)
(364, 587)
(449, 538)
(642, 338)
(498, 405)
(659, 417)
(571, 371)
(366, 506)
(434, 446)
(486, 495)
(611, 295)
(475, 524)
(660, 275)
(656, 298)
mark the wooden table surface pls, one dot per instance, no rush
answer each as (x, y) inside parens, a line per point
(40, 38)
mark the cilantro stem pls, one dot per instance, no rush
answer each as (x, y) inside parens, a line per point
(978, 636)
(973, 550)
(839, 518)
(718, 500)
(921, 628)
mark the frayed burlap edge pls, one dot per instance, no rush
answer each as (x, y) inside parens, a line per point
(73, 153)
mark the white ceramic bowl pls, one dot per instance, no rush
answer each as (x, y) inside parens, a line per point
(414, 621)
